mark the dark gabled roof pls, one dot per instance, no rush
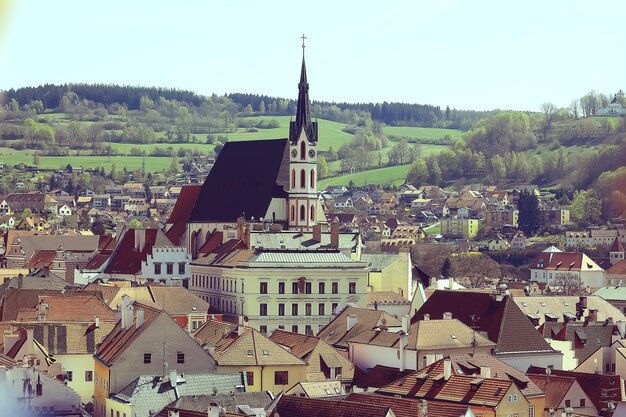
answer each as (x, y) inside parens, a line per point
(601, 389)
(289, 406)
(134, 248)
(586, 338)
(245, 177)
(182, 210)
(503, 321)
(379, 376)
(303, 111)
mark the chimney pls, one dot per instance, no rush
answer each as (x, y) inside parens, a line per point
(30, 344)
(593, 314)
(334, 235)
(451, 283)
(173, 413)
(485, 372)
(317, 232)
(97, 321)
(424, 405)
(20, 281)
(240, 326)
(447, 368)
(241, 226)
(139, 320)
(405, 323)
(352, 321)
(246, 236)
(426, 316)
(173, 378)
(433, 281)
(140, 239)
(447, 315)
(404, 341)
(126, 312)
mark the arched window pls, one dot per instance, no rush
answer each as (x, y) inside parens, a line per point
(312, 178)
(312, 213)
(293, 212)
(302, 178)
(293, 178)
(302, 150)
(302, 213)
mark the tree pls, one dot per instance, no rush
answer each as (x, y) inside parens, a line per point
(430, 258)
(135, 224)
(477, 268)
(93, 133)
(528, 207)
(567, 283)
(418, 173)
(36, 159)
(322, 167)
(26, 213)
(97, 227)
(549, 113)
(586, 207)
(446, 269)
(174, 168)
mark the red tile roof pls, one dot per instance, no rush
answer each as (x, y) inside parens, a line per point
(457, 389)
(617, 245)
(299, 345)
(71, 306)
(182, 210)
(289, 406)
(41, 259)
(601, 389)
(560, 261)
(617, 269)
(379, 376)
(555, 387)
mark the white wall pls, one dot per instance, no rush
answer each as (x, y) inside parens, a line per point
(174, 255)
(523, 361)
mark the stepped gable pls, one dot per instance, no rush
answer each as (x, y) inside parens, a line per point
(134, 248)
(243, 181)
(503, 321)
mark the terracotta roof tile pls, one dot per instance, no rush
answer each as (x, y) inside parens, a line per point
(601, 389)
(555, 387)
(380, 376)
(177, 300)
(134, 248)
(72, 306)
(289, 406)
(337, 334)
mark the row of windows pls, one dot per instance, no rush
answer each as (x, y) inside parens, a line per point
(215, 283)
(308, 329)
(169, 268)
(300, 287)
(303, 178)
(308, 309)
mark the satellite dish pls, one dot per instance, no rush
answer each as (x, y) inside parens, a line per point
(548, 371)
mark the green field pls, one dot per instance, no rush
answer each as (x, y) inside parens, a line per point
(424, 133)
(330, 133)
(124, 148)
(153, 164)
(395, 175)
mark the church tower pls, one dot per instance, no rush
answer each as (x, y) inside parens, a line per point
(302, 202)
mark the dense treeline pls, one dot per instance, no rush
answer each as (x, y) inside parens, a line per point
(390, 113)
(50, 94)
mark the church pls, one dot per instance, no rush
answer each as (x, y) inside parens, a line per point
(268, 181)
(261, 245)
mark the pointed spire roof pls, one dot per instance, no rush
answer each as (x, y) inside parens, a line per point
(617, 245)
(303, 109)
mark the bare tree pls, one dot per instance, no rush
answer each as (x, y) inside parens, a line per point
(549, 115)
(575, 108)
(567, 283)
(476, 268)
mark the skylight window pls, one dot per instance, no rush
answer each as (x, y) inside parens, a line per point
(250, 352)
(265, 352)
(327, 391)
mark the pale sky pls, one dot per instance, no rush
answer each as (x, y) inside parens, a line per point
(467, 54)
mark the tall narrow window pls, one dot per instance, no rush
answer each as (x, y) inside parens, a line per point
(293, 178)
(302, 150)
(302, 213)
(312, 178)
(302, 178)
(293, 212)
(312, 213)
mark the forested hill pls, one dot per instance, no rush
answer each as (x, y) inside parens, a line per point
(51, 94)
(393, 114)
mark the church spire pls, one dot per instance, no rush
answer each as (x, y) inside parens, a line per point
(303, 108)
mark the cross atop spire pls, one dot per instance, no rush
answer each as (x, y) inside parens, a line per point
(303, 45)
(303, 111)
